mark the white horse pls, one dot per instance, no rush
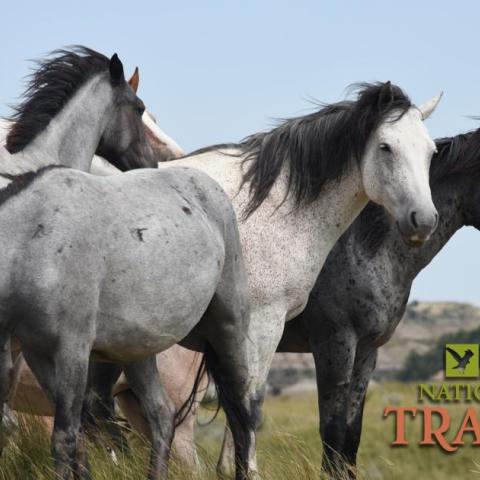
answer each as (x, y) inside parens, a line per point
(298, 187)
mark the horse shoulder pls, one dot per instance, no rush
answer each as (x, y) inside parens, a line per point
(224, 168)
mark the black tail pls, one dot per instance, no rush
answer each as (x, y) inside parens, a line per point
(240, 419)
(185, 409)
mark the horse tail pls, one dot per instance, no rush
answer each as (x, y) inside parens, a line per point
(183, 412)
(241, 421)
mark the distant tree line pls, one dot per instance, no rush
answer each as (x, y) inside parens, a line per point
(421, 367)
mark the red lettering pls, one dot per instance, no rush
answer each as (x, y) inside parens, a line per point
(399, 413)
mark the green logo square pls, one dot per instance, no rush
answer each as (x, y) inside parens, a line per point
(461, 360)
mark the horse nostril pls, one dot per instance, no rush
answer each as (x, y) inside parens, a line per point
(436, 220)
(413, 219)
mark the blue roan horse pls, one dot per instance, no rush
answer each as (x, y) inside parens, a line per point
(77, 104)
(118, 269)
(363, 289)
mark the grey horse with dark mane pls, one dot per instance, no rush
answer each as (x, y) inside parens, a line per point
(117, 269)
(361, 294)
(77, 104)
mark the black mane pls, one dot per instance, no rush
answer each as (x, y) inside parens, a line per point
(456, 155)
(50, 87)
(318, 147)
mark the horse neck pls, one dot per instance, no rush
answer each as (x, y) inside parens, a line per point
(410, 261)
(72, 137)
(316, 226)
(336, 208)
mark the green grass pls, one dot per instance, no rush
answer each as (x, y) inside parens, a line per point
(288, 446)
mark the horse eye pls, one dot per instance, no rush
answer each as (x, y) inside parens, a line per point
(139, 106)
(385, 147)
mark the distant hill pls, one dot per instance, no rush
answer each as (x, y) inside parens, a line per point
(424, 366)
(425, 326)
(422, 326)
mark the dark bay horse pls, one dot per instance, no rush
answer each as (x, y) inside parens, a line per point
(361, 294)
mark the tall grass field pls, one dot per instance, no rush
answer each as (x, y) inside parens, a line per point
(288, 445)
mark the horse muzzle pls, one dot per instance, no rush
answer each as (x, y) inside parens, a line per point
(417, 227)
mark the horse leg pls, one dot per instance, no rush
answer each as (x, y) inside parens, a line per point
(6, 374)
(334, 354)
(262, 338)
(184, 443)
(225, 326)
(365, 361)
(228, 366)
(226, 461)
(99, 408)
(131, 408)
(64, 378)
(145, 383)
(172, 364)
(27, 396)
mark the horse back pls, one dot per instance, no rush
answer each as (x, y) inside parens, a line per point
(145, 249)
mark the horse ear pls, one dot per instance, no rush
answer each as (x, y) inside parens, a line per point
(385, 94)
(134, 80)
(116, 69)
(388, 89)
(427, 108)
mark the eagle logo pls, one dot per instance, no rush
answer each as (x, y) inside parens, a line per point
(461, 360)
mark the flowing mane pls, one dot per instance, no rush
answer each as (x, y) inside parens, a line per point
(318, 147)
(49, 89)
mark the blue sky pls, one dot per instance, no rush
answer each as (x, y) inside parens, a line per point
(216, 71)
